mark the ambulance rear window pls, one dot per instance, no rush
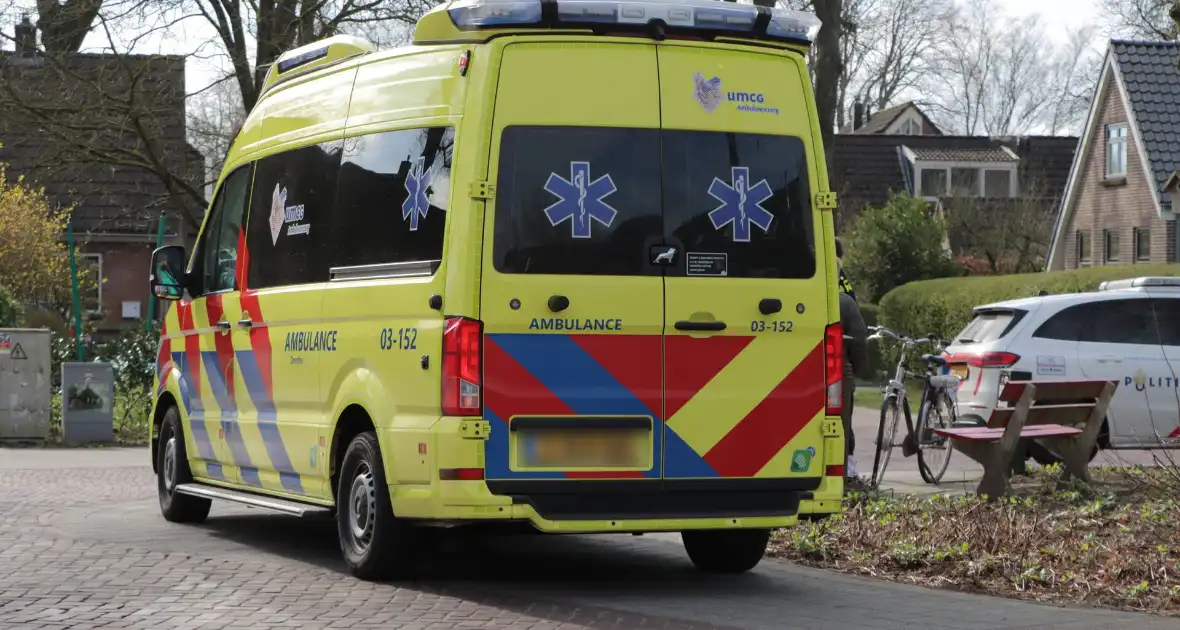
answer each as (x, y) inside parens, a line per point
(594, 201)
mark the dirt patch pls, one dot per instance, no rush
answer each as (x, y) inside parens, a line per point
(1116, 544)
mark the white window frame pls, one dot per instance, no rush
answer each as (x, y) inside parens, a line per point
(79, 256)
(982, 167)
(1119, 142)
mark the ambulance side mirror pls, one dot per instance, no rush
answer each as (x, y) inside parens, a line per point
(167, 275)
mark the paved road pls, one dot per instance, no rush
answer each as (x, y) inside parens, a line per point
(82, 545)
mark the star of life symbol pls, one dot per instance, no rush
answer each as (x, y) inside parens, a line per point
(416, 204)
(580, 199)
(707, 91)
(741, 204)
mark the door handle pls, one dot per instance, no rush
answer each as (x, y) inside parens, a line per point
(245, 323)
(700, 326)
(223, 324)
(770, 306)
(558, 303)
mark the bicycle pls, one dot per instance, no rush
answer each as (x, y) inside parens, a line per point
(936, 409)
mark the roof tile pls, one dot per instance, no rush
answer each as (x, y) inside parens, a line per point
(1152, 79)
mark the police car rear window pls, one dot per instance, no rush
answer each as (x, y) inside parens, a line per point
(595, 201)
(990, 326)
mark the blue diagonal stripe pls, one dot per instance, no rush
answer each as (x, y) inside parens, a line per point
(496, 464)
(195, 412)
(229, 410)
(579, 381)
(267, 421)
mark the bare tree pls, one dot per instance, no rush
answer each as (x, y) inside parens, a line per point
(899, 38)
(1010, 235)
(214, 116)
(1139, 19)
(998, 75)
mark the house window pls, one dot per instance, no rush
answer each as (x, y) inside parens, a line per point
(1142, 244)
(1116, 150)
(933, 182)
(997, 183)
(90, 282)
(1083, 247)
(1111, 239)
(911, 128)
(965, 182)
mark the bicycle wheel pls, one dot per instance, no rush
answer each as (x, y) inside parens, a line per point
(934, 451)
(886, 438)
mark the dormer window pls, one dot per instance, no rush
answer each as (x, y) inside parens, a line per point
(951, 172)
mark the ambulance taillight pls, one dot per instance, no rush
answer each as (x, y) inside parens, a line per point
(834, 368)
(462, 372)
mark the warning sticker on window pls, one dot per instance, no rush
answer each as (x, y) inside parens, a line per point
(707, 264)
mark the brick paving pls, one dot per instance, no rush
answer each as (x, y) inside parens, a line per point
(82, 545)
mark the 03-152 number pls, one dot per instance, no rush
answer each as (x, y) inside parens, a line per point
(777, 326)
(399, 338)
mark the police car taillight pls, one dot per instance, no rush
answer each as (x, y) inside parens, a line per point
(704, 15)
(462, 370)
(834, 368)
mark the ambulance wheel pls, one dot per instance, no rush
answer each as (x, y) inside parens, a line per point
(376, 545)
(173, 470)
(726, 551)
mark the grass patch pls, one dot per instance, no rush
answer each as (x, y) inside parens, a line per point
(871, 396)
(1114, 545)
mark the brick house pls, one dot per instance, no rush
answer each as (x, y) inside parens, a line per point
(1117, 208)
(83, 126)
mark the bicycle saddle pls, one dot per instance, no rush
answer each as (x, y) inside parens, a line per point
(936, 359)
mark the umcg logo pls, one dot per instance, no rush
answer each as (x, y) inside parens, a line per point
(745, 97)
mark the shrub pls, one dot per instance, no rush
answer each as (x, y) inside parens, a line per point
(34, 263)
(871, 314)
(899, 243)
(8, 313)
(944, 306)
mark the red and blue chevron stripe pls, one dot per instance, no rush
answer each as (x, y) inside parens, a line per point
(528, 374)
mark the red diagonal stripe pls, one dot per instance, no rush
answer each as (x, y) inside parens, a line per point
(634, 361)
(164, 355)
(192, 347)
(511, 390)
(259, 339)
(774, 422)
(693, 362)
(223, 343)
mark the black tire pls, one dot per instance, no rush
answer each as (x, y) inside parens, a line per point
(172, 470)
(932, 471)
(726, 551)
(375, 544)
(886, 435)
(1045, 457)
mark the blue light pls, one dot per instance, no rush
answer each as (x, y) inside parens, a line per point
(491, 13)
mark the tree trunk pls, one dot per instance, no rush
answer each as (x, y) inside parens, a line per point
(64, 25)
(828, 67)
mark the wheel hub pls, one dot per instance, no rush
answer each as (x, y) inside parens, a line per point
(170, 464)
(362, 508)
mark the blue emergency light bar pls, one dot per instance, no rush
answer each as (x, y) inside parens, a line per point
(699, 15)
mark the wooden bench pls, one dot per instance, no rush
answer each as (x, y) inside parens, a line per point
(1062, 416)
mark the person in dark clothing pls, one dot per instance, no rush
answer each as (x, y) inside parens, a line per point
(856, 361)
(844, 283)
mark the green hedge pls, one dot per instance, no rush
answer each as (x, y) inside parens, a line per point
(944, 306)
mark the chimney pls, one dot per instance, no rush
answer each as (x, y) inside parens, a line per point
(858, 115)
(26, 37)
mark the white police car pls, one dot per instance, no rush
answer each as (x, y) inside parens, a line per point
(1128, 331)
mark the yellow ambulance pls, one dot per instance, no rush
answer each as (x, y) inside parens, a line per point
(562, 263)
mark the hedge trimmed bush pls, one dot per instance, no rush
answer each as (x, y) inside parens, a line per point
(944, 306)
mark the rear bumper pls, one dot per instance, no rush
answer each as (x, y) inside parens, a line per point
(583, 506)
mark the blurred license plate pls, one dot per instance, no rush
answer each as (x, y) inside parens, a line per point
(959, 371)
(584, 448)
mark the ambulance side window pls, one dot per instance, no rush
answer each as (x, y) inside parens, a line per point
(219, 246)
(392, 198)
(293, 199)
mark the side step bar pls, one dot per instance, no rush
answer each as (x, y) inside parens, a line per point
(254, 500)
